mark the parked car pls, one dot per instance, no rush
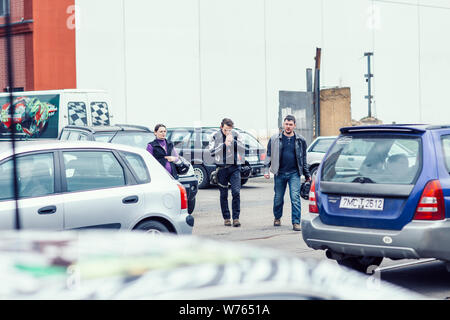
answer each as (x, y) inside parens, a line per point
(131, 135)
(316, 151)
(131, 266)
(393, 202)
(192, 143)
(64, 185)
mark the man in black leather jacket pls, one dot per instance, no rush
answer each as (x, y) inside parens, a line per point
(286, 159)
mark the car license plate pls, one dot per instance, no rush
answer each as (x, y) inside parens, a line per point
(362, 203)
(252, 158)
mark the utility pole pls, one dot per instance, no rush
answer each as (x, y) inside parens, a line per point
(317, 92)
(368, 77)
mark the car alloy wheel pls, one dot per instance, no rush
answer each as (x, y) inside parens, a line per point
(202, 176)
(199, 175)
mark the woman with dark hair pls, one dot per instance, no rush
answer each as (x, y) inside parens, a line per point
(163, 150)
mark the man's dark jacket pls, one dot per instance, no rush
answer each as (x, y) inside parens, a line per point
(274, 149)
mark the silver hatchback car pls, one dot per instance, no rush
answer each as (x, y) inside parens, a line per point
(82, 185)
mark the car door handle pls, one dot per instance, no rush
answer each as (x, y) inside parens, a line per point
(131, 199)
(47, 210)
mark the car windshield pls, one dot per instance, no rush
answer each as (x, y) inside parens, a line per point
(134, 139)
(373, 159)
(322, 145)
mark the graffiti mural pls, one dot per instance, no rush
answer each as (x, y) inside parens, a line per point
(31, 116)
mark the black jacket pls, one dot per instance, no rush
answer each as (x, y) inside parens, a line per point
(274, 149)
(159, 153)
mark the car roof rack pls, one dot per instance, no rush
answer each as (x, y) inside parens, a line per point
(435, 127)
(416, 128)
(123, 126)
(86, 128)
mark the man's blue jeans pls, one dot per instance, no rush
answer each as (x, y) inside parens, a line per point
(281, 181)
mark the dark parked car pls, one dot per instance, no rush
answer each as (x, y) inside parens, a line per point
(192, 143)
(131, 135)
(382, 191)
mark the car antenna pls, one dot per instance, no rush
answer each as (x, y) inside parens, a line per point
(10, 71)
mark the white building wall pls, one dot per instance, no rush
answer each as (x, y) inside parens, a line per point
(191, 62)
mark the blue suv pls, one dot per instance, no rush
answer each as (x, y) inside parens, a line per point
(382, 191)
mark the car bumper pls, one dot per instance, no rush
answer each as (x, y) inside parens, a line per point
(191, 186)
(183, 224)
(418, 239)
(257, 170)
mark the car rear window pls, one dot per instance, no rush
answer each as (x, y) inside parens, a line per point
(250, 141)
(134, 139)
(103, 137)
(446, 148)
(374, 159)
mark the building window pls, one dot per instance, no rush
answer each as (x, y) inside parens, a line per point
(4, 7)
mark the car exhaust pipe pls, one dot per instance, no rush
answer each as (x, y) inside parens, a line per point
(334, 255)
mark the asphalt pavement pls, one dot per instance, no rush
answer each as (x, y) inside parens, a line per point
(423, 276)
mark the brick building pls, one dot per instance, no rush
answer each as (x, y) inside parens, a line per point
(43, 44)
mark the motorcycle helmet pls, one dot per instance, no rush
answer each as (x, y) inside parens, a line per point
(304, 190)
(246, 170)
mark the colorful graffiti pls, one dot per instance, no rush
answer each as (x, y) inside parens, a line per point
(30, 116)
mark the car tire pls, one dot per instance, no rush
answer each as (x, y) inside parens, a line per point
(152, 227)
(313, 172)
(243, 181)
(191, 205)
(360, 263)
(202, 176)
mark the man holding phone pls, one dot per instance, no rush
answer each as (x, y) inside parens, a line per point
(228, 150)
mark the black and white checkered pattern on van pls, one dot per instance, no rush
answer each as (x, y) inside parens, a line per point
(77, 113)
(100, 114)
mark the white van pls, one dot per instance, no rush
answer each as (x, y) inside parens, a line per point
(43, 114)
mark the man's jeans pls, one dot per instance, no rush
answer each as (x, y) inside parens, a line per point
(233, 176)
(281, 180)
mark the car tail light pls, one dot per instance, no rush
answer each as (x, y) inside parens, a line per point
(313, 208)
(431, 205)
(262, 156)
(183, 196)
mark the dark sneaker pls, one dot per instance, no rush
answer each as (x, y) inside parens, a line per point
(277, 222)
(236, 223)
(296, 227)
(227, 222)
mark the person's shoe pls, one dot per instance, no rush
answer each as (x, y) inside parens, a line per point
(236, 223)
(296, 227)
(277, 223)
(227, 223)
